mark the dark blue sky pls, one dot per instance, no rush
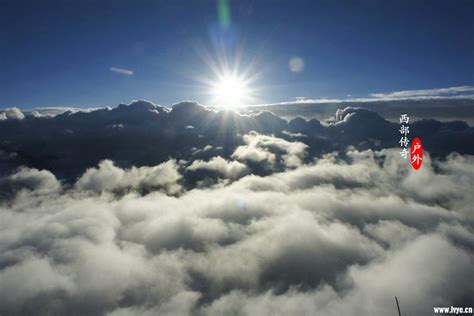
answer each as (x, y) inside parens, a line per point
(60, 52)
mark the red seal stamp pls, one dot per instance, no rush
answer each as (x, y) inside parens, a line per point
(416, 153)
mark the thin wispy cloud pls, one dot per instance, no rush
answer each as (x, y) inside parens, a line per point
(461, 92)
(424, 92)
(122, 71)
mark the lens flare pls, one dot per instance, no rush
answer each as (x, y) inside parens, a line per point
(231, 79)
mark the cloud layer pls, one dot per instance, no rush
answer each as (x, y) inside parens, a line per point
(331, 237)
(424, 92)
(144, 134)
(447, 107)
(141, 210)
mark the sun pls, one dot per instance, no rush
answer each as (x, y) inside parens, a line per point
(229, 82)
(230, 91)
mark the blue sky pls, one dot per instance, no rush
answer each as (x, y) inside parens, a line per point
(60, 53)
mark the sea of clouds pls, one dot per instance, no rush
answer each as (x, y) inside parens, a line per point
(260, 221)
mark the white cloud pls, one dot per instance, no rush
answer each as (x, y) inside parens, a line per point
(11, 114)
(229, 169)
(54, 111)
(423, 93)
(261, 148)
(332, 238)
(462, 92)
(122, 71)
(29, 179)
(334, 234)
(108, 177)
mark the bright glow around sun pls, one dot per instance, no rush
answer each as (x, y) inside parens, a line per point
(229, 82)
(230, 90)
